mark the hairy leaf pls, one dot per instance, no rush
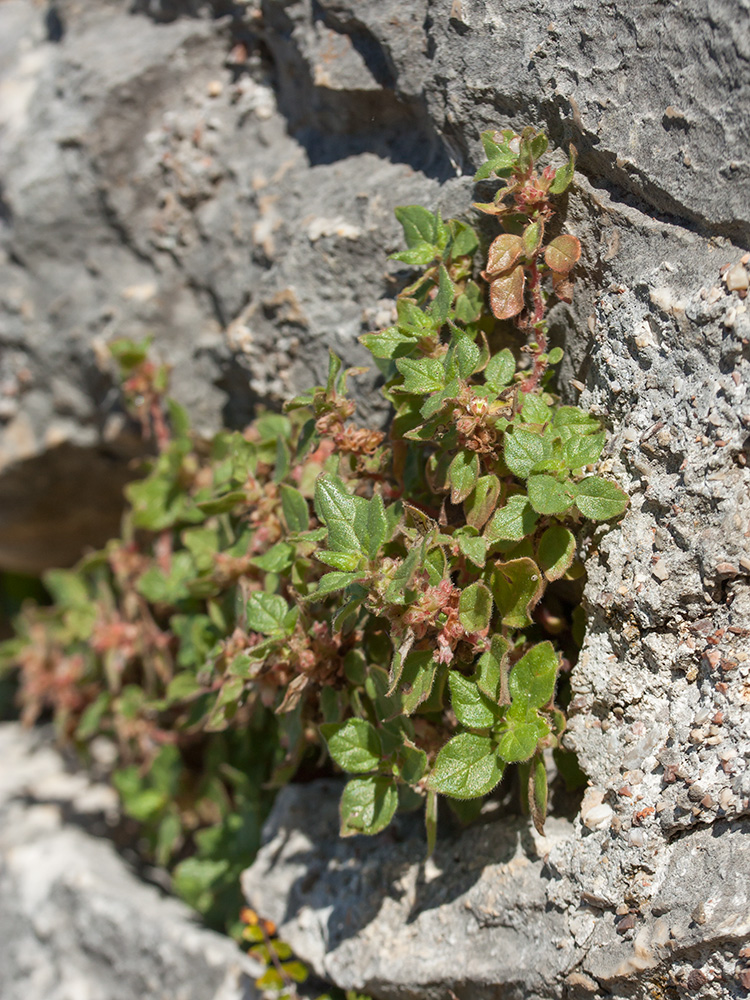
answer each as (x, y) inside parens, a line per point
(471, 707)
(532, 679)
(367, 805)
(516, 586)
(354, 745)
(504, 251)
(562, 253)
(548, 495)
(506, 294)
(556, 551)
(600, 499)
(475, 607)
(466, 768)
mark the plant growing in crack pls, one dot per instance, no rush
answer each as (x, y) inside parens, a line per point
(313, 581)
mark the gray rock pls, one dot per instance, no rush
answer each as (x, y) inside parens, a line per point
(227, 185)
(75, 922)
(242, 213)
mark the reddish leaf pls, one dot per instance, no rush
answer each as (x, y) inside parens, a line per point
(562, 253)
(506, 294)
(503, 253)
(563, 286)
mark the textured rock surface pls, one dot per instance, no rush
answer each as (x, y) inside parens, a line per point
(227, 185)
(74, 921)
(242, 212)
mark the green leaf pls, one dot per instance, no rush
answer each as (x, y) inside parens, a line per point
(516, 520)
(523, 449)
(419, 224)
(516, 586)
(504, 251)
(371, 526)
(534, 409)
(563, 253)
(521, 738)
(420, 255)
(390, 343)
(480, 503)
(600, 499)
(336, 509)
(417, 677)
(421, 375)
(500, 370)
(556, 551)
(583, 450)
(467, 767)
(441, 304)
(564, 174)
(532, 679)
(538, 791)
(506, 294)
(576, 419)
(347, 562)
(277, 559)
(333, 582)
(294, 508)
(434, 403)
(463, 474)
(538, 145)
(475, 607)
(412, 762)
(354, 745)
(467, 356)
(295, 970)
(474, 548)
(221, 505)
(469, 303)
(367, 805)
(490, 670)
(532, 237)
(549, 496)
(465, 240)
(270, 980)
(471, 707)
(395, 593)
(555, 355)
(266, 613)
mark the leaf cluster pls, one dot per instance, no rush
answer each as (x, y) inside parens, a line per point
(311, 582)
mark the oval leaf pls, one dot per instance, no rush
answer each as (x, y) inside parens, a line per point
(548, 496)
(503, 253)
(563, 253)
(475, 607)
(367, 805)
(354, 745)
(466, 768)
(532, 679)
(471, 707)
(506, 294)
(463, 474)
(600, 499)
(557, 548)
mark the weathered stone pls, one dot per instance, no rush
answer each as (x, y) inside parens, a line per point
(74, 920)
(243, 213)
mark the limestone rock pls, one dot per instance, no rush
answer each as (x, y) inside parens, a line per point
(74, 920)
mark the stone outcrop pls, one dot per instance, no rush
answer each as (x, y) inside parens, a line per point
(75, 921)
(226, 182)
